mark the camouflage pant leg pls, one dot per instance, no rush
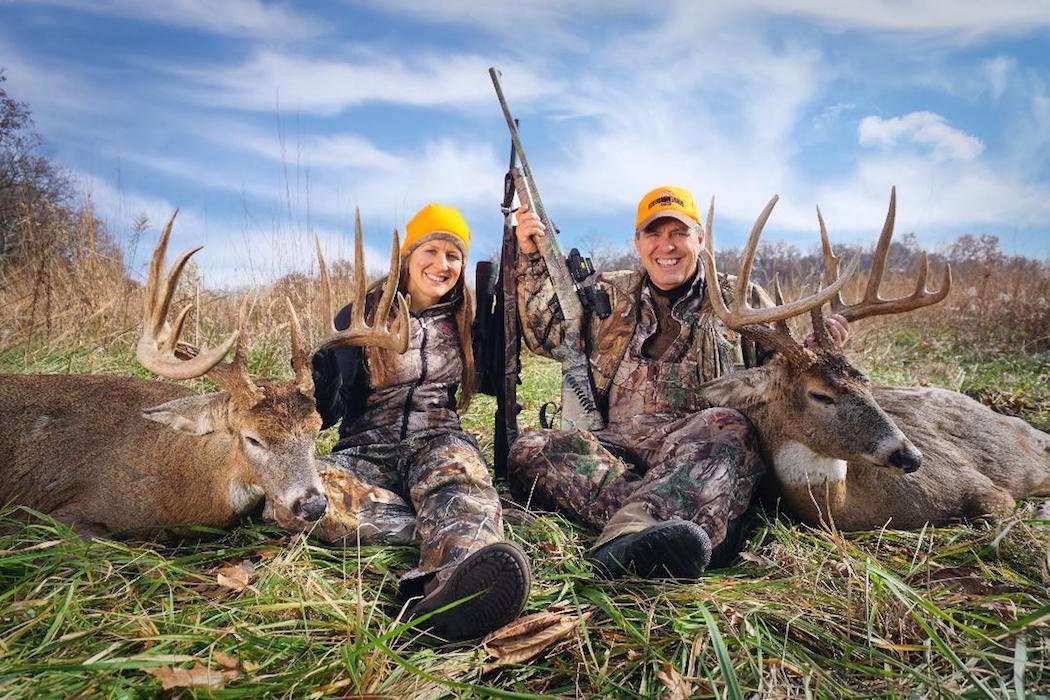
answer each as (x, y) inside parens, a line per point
(457, 509)
(570, 472)
(704, 468)
(360, 512)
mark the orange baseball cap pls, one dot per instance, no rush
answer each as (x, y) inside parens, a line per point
(666, 201)
(434, 220)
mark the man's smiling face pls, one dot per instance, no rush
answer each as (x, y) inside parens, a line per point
(669, 250)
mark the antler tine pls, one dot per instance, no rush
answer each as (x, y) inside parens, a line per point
(158, 297)
(300, 358)
(158, 344)
(820, 329)
(710, 226)
(359, 282)
(382, 332)
(878, 263)
(233, 376)
(831, 264)
(326, 287)
(778, 297)
(383, 310)
(874, 305)
(748, 256)
(176, 328)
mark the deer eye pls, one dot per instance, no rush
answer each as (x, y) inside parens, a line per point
(821, 398)
(254, 442)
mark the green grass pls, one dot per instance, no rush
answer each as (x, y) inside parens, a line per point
(947, 612)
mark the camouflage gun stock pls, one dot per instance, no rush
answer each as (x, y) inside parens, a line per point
(579, 409)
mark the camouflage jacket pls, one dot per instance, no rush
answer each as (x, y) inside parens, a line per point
(714, 349)
(420, 394)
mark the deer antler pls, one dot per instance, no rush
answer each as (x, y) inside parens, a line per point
(383, 332)
(872, 304)
(304, 377)
(749, 321)
(159, 349)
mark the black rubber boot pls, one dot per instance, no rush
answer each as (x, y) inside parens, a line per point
(672, 549)
(499, 574)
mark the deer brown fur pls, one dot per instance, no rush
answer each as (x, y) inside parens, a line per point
(859, 458)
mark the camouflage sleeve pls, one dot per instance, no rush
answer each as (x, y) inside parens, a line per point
(538, 309)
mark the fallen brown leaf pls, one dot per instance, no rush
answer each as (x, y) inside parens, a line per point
(528, 636)
(237, 576)
(678, 688)
(199, 676)
(735, 618)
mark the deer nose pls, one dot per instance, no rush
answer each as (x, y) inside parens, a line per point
(310, 506)
(907, 459)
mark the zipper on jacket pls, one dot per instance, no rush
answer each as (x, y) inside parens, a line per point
(422, 376)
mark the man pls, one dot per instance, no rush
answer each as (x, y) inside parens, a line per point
(669, 478)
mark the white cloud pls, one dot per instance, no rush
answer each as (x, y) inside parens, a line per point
(717, 116)
(250, 18)
(829, 116)
(327, 86)
(922, 128)
(997, 72)
(352, 172)
(930, 196)
(966, 18)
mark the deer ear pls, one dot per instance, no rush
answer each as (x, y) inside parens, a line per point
(195, 415)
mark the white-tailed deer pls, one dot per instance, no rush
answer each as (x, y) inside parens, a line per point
(862, 458)
(107, 453)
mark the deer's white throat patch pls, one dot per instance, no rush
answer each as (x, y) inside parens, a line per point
(244, 496)
(797, 465)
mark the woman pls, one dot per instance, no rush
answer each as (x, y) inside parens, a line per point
(404, 470)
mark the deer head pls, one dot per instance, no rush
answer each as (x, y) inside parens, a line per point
(813, 395)
(270, 426)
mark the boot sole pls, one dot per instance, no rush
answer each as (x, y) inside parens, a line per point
(499, 573)
(659, 552)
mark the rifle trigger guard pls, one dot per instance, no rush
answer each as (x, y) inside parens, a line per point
(547, 421)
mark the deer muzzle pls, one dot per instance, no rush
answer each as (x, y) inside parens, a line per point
(907, 458)
(311, 506)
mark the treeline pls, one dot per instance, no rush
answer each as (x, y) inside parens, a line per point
(967, 254)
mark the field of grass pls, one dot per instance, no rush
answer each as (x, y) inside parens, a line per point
(957, 611)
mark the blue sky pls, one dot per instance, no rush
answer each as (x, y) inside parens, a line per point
(267, 123)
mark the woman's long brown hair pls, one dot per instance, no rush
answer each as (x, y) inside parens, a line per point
(381, 361)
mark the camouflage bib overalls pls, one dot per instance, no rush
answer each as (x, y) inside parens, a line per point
(664, 453)
(405, 471)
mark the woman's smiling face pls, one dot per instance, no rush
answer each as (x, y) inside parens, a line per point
(434, 268)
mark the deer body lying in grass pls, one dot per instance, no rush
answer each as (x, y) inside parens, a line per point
(858, 457)
(107, 453)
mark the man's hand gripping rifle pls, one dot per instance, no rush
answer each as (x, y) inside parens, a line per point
(575, 290)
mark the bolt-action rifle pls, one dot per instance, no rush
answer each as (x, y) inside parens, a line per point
(499, 349)
(579, 409)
